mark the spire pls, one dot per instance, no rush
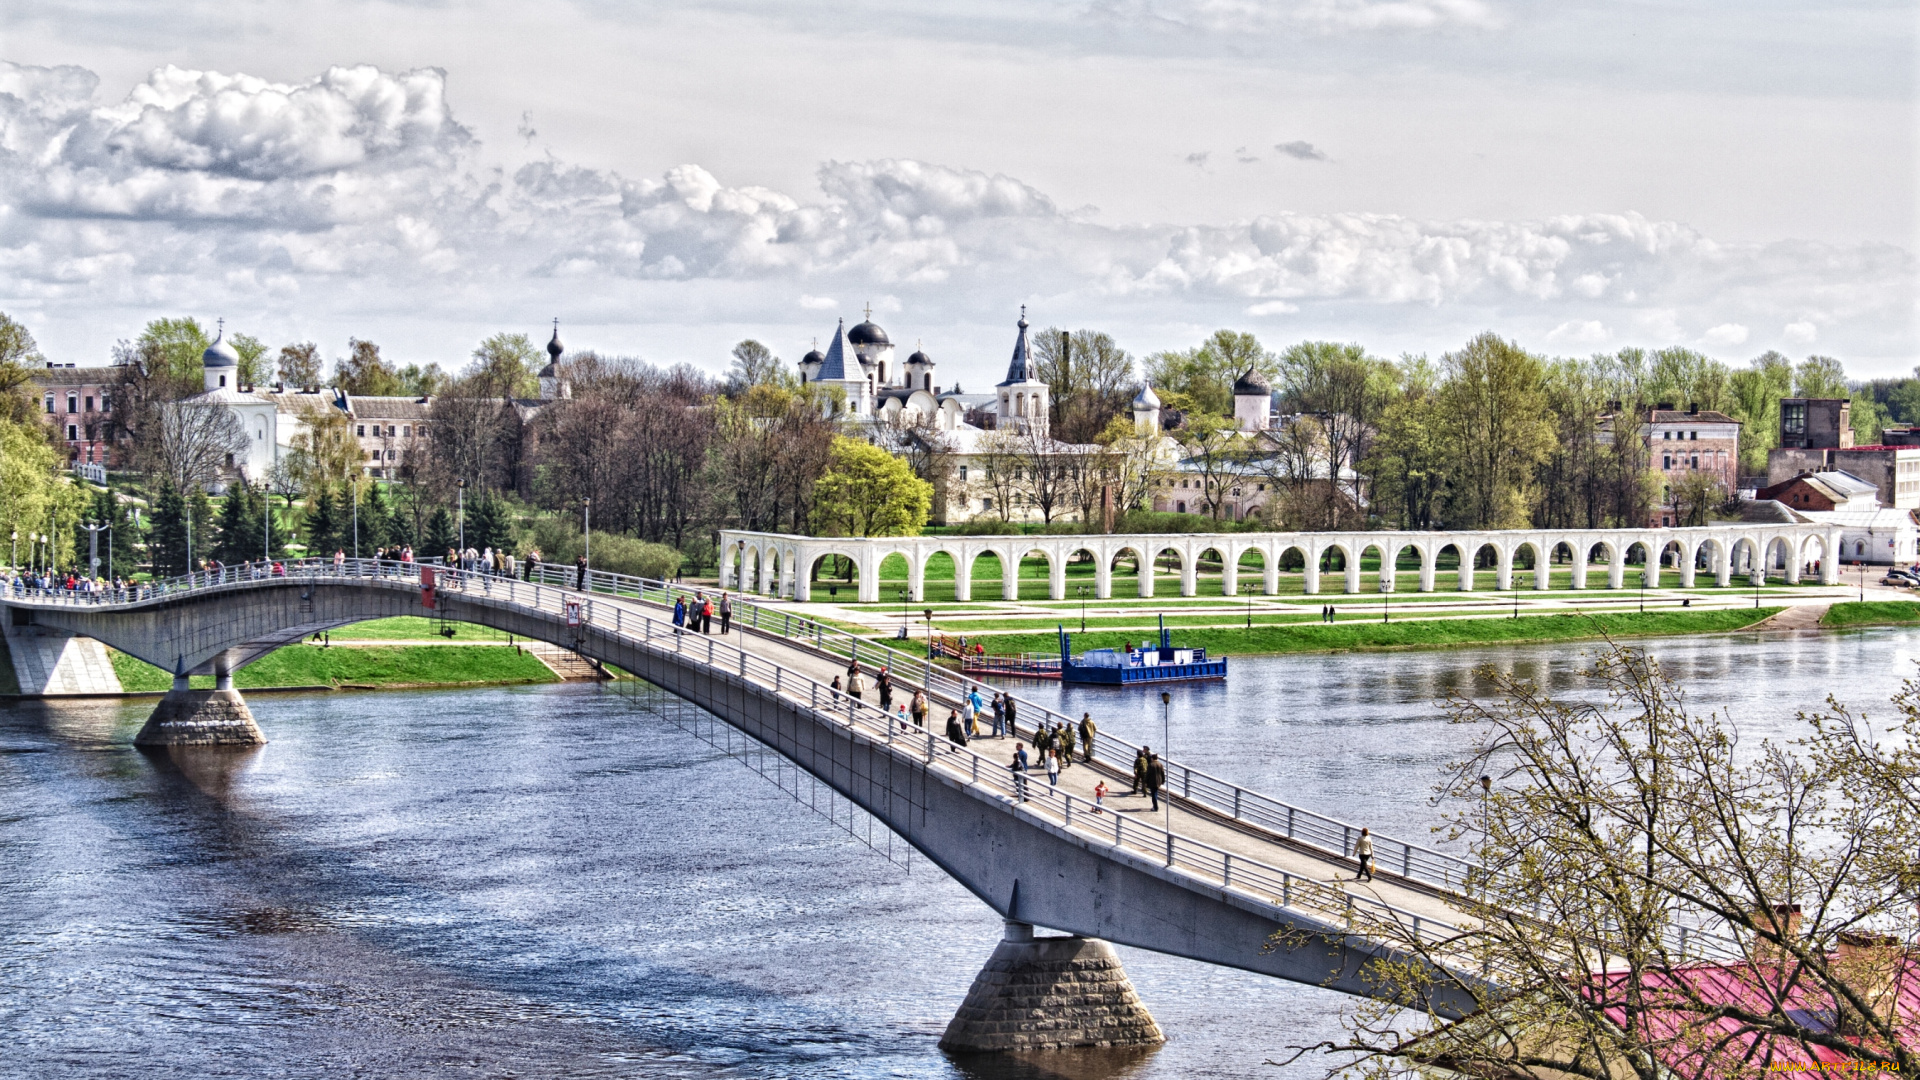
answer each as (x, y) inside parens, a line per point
(838, 354)
(1020, 369)
(554, 348)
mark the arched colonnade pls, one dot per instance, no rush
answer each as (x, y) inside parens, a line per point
(777, 564)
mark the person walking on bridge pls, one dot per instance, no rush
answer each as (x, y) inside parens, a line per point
(1087, 728)
(1065, 741)
(726, 613)
(1139, 771)
(1156, 778)
(1363, 851)
(856, 681)
(975, 706)
(532, 564)
(999, 715)
(1019, 768)
(580, 574)
(919, 708)
(679, 616)
(956, 732)
(1013, 727)
(883, 682)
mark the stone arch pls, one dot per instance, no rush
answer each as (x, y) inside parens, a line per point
(1142, 569)
(1470, 566)
(1245, 559)
(1173, 557)
(810, 576)
(1386, 551)
(1066, 581)
(1714, 549)
(972, 567)
(1537, 562)
(1027, 552)
(1216, 553)
(1462, 563)
(1813, 551)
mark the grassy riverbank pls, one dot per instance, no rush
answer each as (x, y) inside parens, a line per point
(1412, 634)
(377, 665)
(1872, 613)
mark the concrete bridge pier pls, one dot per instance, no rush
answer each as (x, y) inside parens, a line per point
(188, 717)
(1050, 993)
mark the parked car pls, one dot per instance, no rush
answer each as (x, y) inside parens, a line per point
(1900, 579)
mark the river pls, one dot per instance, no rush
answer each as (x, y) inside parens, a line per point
(543, 882)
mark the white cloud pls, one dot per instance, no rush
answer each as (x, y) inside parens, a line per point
(1325, 16)
(1725, 334)
(360, 189)
(1801, 332)
(1578, 332)
(1301, 150)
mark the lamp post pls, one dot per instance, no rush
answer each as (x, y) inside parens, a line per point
(1863, 580)
(1251, 589)
(356, 517)
(1386, 600)
(460, 510)
(902, 590)
(266, 524)
(927, 614)
(1166, 736)
(93, 547)
(1486, 823)
(1082, 590)
(586, 532)
(190, 538)
(13, 560)
(1759, 578)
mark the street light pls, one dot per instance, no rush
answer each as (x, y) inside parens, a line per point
(586, 532)
(460, 509)
(1646, 577)
(1386, 600)
(93, 547)
(928, 615)
(1251, 589)
(13, 560)
(902, 591)
(1166, 737)
(1759, 578)
(356, 517)
(1082, 590)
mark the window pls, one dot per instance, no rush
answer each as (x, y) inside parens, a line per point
(89, 402)
(1667, 435)
(373, 455)
(389, 455)
(73, 432)
(360, 430)
(1793, 418)
(963, 474)
(986, 504)
(223, 380)
(406, 430)
(1666, 462)
(49, 402)
(106, 402)
(1695, 461)
(389, 431)
(1693, 436)
(73, 403)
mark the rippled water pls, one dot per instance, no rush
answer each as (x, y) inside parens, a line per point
(539, 882)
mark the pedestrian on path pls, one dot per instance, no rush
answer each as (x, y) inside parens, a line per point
(856, 682)
(1156, 779)
(679, 616)
(999, 715)
(1087, 729)
(1139, 771)
(901, 715)
(836, 688)
(1013, 726)
(1363, 851)
(884, 683)
(966, 710)
(919, 710)
(1066, 746)
(580, 574)
(956, 734)
(975, 706)
(1053, 769)
(1019, 768)
(726, 613)
(1100, 797)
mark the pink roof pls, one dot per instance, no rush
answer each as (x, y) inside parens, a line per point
(1757, 986)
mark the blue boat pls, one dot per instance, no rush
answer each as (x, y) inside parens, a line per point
(1131, 667)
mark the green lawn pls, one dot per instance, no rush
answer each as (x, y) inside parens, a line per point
(379, 665)
(414, 628)
(1412, 634)
(1872, 613)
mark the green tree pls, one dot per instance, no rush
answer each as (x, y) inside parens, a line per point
(1091, 379)
(868, 492)
(489, 525)
(418, 380)
(1408, 457)
(378, 528)
(1214, 453)
(1494, 422)
(300, 365)
(510, 361)
(324, 524)
(1820, 377)
(364, 373)
(755, 365)
(242, 536)
(254, 367)
(101, 507)
(1203, 376)
(19, 355)
(1756, 392)
(167, 533)
(175, 345)
(442, 534)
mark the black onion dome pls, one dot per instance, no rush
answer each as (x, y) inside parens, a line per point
(813, 357)
(1251, 383)
(919, 357)
(868, 333)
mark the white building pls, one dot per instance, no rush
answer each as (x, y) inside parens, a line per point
(271, 419)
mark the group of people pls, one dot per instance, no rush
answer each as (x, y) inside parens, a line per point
(697, 614)
(1326, 613)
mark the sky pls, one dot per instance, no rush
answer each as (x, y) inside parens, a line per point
(669, 178)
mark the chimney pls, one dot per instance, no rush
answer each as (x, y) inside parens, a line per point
(1665, 406)
(1693, 408)
(1783, 919)
(1874, 966)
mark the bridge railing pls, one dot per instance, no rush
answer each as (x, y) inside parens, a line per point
(1022, 792)
(1415, 862)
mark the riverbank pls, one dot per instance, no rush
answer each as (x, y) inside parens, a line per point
(1871, 613)
(397, 666)
(1410, 634)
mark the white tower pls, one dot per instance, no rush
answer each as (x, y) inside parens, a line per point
(920, 371)
(1023, 396)
(875, 350)
(1252, 401)
(841, 367)
(221, 363)
(1146, 411)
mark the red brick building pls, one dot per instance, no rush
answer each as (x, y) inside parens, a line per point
(77, 402)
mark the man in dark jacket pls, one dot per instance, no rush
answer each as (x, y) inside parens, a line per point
(580, 573)
(1019, 768)
(956, 732)
(1156, 779)
(726, 613)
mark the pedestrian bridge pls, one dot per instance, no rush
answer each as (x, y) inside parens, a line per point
(780, 564)
(1212, 879)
